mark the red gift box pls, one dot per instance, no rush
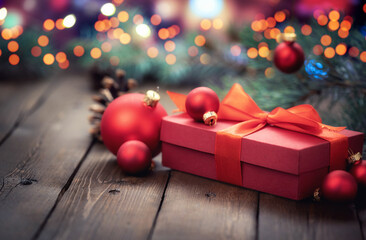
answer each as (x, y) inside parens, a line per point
(273, 160)
(285, 152)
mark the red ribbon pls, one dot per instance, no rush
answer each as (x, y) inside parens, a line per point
(239, 106)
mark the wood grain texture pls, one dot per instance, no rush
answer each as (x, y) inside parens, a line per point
(281, 218)
(199, 208)
(102, 203)
(17, 101)
(39, 157)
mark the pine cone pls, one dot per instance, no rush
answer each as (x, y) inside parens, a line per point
(111, 89)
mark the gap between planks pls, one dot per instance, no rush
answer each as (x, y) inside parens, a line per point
(151, 233)
(63, 190)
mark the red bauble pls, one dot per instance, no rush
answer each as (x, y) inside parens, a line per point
(202, 104)
(358, 171)
(288, 57)
(134, 157)
(129, 118)
(339, 186)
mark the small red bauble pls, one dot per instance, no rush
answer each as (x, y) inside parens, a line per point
(134, 157)
(358, 171)
(289, 55)
(202, 104)
(339, 186)
(133, 116)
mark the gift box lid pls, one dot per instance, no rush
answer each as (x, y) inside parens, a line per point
(271, 147)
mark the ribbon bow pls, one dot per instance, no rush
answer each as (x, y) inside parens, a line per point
(239, 106)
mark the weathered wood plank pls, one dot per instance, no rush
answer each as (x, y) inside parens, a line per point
(40, 156)
(17, 100)
(199, 208)
(103, 203)
(281, 218)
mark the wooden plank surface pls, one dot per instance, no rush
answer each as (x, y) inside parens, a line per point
(103, 203)
(199, 208)
(17, 101)
(281, 218)
(39, 157)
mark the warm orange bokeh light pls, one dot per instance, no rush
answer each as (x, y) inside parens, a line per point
(14, 59)
(271, 22)
(106, 47)
(48, 59)
(79, 51)
(114, 60)
(317, 49)
(217, 23)
(353, 52)
(6, 34)
(36, 51)
(163, 33)
(280, 16)
(263, 52)
(169, 46)
(64, 65)
(200, 40)
(138, 19)
(170, 59)
(155, 19)
(1, 52)
(274, 33)
(333, 25)
(152, 52)
(107, 24)
(235, 50)
(252, 53)
(322, 20)
(13, 46)
(329, 52)
(48, 24)
(123, 16)
(334, 15)
(205, 24)
(364, 8)
(114, 22)
(117, 33)
(60, 24)
(61, 57)
(306, 30)
(125, 38)
(325, 40)
(117, 2)
(317, 13)
(341, 49)
(289, 29)
(205, 58)
(342, 33)
(95, 53)
(192, 51)
(363, 56)
(43, 41)
(267, 33)
(262, 44)
(346, 25)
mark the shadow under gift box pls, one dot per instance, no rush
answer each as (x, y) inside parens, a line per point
(273, 160)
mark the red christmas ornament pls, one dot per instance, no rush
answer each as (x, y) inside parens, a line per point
(339, 186)
(288, 55)
(202, 104)
(358, 171)
(134, 157)
(133, 116)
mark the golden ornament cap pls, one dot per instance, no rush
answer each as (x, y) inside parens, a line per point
(151, 98)
(210, 118)
(316, 195)
(354, 158)
(288, 37)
